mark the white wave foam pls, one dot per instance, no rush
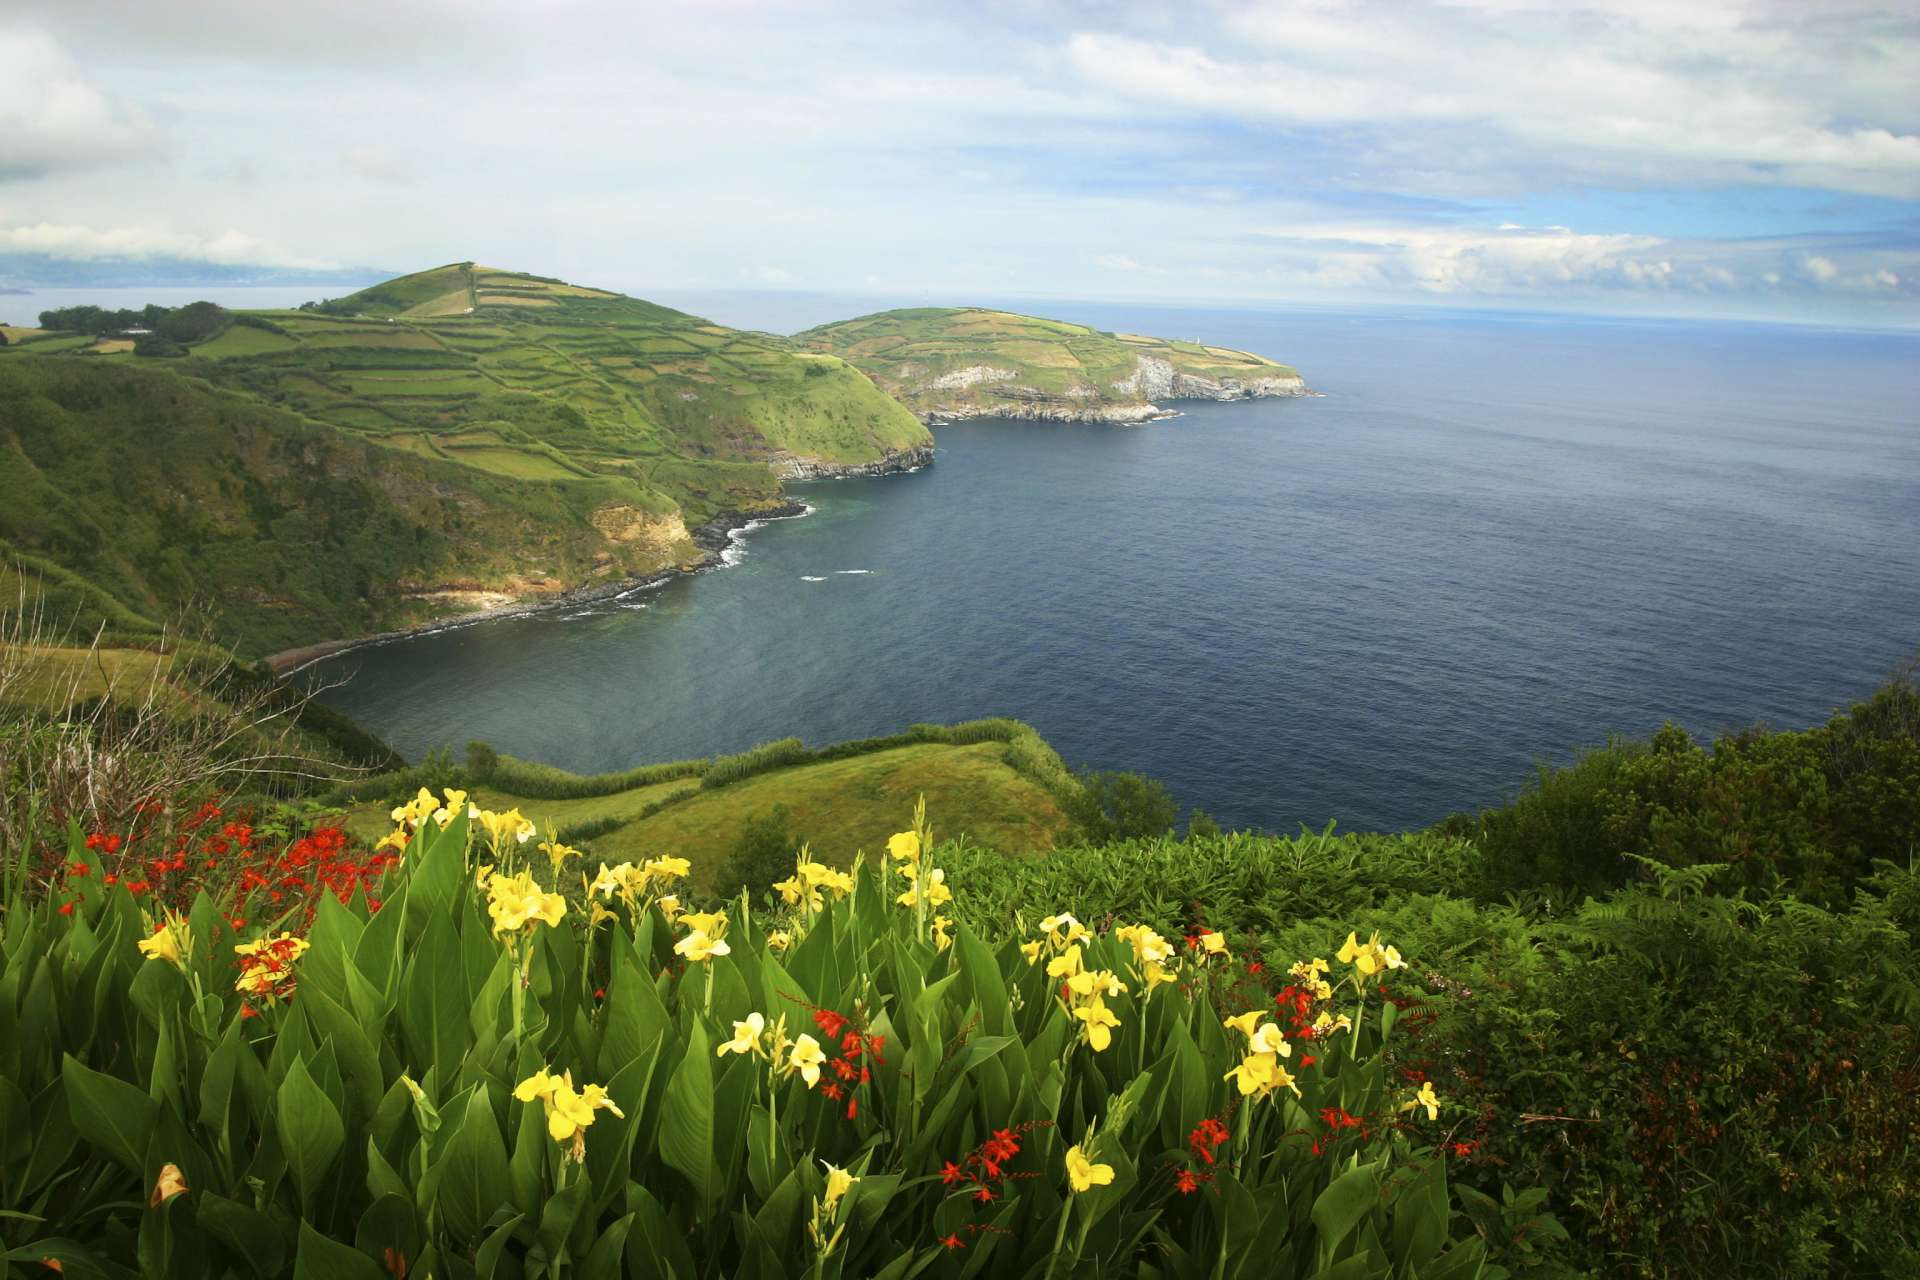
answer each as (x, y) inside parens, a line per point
(853, 572)
(807, 577)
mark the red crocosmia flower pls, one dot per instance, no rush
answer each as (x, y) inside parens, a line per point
(853, 1107)
(248, 1011)
(66, 908)
(954, 1242)
(951, 1173)
(1187, 1183)
(1464, 1148)
(984, 1195)
(831, 1091)
(1307, 1059)
(829, 1022)
(599, 993)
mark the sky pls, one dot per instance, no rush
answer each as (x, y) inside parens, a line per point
(1734, 158)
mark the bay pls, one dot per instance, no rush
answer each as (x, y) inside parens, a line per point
(1494, 539)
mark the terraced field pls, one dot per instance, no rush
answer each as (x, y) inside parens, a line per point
(958, 362)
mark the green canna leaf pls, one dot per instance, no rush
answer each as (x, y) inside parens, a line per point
(686, 1118)
(311, 1131)
(111, 1114)
(474, 1179)
(322, 1259)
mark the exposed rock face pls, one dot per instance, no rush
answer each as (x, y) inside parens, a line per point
(623, 524)
(791, 467)
(1152, 380)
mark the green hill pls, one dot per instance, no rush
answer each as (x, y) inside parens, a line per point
(946, 363)
(992, 782)
(454, 439)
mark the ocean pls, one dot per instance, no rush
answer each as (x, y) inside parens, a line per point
(1493, 540)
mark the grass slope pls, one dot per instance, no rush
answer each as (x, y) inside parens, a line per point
(443, 440)
(995, 783)
(954, 361)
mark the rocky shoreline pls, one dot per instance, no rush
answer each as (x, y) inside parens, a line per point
(1026, 405)
(789, 467)
(712, 539)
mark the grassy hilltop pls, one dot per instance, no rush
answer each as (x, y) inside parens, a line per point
(453, 439)
(948, 362)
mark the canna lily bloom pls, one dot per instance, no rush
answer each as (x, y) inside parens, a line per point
(669, 906)
(557, 853)
(779, 940)
(714, 922)
(1063, 930)
(417, 808)
(1213, 943)
(503, 827)
(1066, 964)
(904, 846)
(611, 880)
(1370, 957)
(1031, 950)
(806, 1058)
(1096, 983)
(667, 868)
(456, 802)
(795, 890)
(1425, 1098)
(1270, 1039)
(941, 939)
(1245, 1023)
(395, 839)
(1326, 1024)
(700, 946)
(568, 1113)
(170, 942)
(746, 1037)
(839, 1182)
(515, 902)
(1083, 1174)
(936, 890)
(1260, 1074)
(1099, 1021)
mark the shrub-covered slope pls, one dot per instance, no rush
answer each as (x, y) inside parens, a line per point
(444, 441)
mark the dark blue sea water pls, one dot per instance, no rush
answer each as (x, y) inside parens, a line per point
(1493, 540)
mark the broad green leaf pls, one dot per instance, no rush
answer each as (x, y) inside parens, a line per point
(1347, 1200)
(686, 1118)
(247, 1231)
(311, 1130)
(322, 1259)
(111, 1114)
(474, 1180)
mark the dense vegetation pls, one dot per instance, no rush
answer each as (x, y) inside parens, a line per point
(1664, 1000)
(442, 441)
(948, 361)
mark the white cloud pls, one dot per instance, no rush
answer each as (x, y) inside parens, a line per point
(73, 241)
(378, 164)
(1560, 263)
(52, 118)
(1725, 92)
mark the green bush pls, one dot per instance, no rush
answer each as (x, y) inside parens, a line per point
(768, 755)
(1110, 806)
(763, 854)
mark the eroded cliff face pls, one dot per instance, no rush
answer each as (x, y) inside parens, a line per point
(985, 391)
(791, 467)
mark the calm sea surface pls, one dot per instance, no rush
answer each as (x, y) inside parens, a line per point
(1491, 541)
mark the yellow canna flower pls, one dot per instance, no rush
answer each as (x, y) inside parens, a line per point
(557, 853)
(1066, 964)
(170, 942)
(746, 1037)
(941, 939)
(504, 827)
(515, 902)
(1369, 957)
(936, 889)
(1091, 981)
(1326, 1024)
(1425, 1098)
(1031, 950)
(779, 940)
(456, 803)
(1260, 1074)
(793, 891)
(839, 1182)
(1214, 944)
(1245, 1023)
(611, 880)
(905, 846)
(700, 946)
(669, 906)
(417, 808)
(538, 1085)
(667, 868)
(714, 922)
(1270, 1039)
(1083, 1174)
(806, 1058)
(1099, 1021)
(395, 839)
(1064, 930)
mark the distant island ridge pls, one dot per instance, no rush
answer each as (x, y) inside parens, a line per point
(466, 442)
